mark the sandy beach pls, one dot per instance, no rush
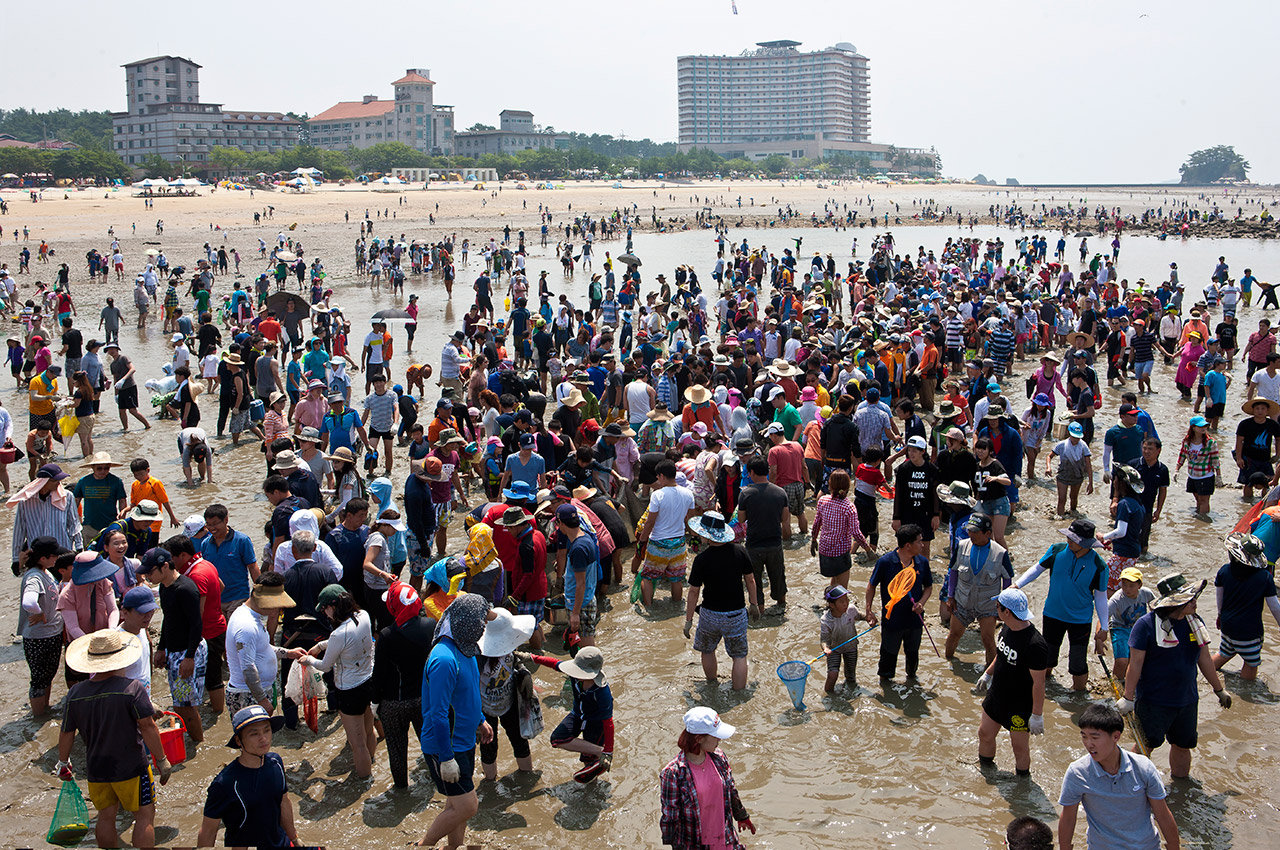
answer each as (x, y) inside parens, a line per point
(898, 764)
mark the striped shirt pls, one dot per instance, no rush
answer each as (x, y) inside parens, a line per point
(37, 517)
(1143, 347)
(1001, 348)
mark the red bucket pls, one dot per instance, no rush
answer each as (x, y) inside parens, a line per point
(171, 738)
(8, 454)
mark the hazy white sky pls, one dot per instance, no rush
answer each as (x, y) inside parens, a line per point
(1087, 91)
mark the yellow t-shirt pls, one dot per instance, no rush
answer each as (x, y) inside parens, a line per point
(41, 406)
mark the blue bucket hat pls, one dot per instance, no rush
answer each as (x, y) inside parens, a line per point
(519, 490)
(712, 526)
(90, 567)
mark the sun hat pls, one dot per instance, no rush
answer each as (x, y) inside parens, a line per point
(660, 412)
(1273, 408)
(402, 601)
(145, 511)
(1081, 532)
(287, 461)
(337, 398)
(712, 526)
(808, 394)
(957, 493)
(744, 446)
(342, 453)
(315, 384)
(431, 468)
(394, 522)
(1131, 574)
(464, 623)
(103, 651)
(513, 517)
(583, 493)
(521, 490)
(783, 368)
(1051, 357)
(505, 632)
(99, 459)
(701, 720)
(697, 394)
(574, 398)
(90, 567)
(1042, 400)
(1015, 601)
(275, 397)
(947, 409)
(270, 597)
(1176, 591)
(446, 437)
(954, 433)
(1246, 549)
(587, 664)
(1131, 477)
(250, 715)
(139, 599)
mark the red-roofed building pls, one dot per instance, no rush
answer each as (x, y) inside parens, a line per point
(412, 118)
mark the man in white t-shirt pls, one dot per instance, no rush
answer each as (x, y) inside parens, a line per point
(1266, 382)
(376, 354)
(663, 533)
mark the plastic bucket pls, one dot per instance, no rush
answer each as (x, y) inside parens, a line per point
(8, 454)
(175, 747)
(257, 410)
(794, 674)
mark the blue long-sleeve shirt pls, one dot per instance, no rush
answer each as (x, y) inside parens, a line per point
(452, 681)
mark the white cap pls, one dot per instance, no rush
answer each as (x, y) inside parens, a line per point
(178, 338)
(193, 524)
(704, 721)
(917, 442)
(774, 428)
(775, 392)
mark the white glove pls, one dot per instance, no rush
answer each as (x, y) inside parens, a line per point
(1036, 724)
(688, 627)
(983, 683)
(1124, 706)
(1224, 698)
(449, 771)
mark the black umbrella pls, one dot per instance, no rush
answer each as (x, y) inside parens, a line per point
(279, 301)
(630, 259)
(391, 315)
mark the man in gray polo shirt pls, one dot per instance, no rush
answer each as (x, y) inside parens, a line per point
(381, 408)
(1121, 791)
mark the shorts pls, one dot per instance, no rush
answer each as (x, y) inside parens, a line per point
(1143, 370)
(354, 701)
(1077, 635)
(598, 732)
(1175, 723)
(1015, 718)
(129, 794)
(795, 497)
(419, 555)
(588, 618)
(849, 655)
(1215, 411)
(85, 428)
(967, 615)
(188, 693)
(714, 625)
(536, 608)
(830, 566)
(237, 700)
(1250, 651)
(43, 420)
(375, 434)
(996, 507)
(1202, 486)
(665, 559)
(1119, 643)
(466, 771)
(127, 398)
(1252, 465)
(216, 653)
(444, 514)
(374, 371)
(239, 421)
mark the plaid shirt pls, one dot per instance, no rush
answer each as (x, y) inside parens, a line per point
(1199, 464)
(681, 828)
(838, 521)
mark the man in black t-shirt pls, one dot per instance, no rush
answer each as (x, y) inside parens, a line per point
(1155, 480)
(1014, 682)
(722, 569)
(72, 348)
(839, 440)
(1256, 439)
(915, 491)
(181, 650)
(763, 506)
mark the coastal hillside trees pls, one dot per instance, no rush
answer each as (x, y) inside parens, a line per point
(1212, 164)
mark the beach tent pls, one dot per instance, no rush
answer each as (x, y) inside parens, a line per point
(307, 171)
(187, 182)
(391, 181)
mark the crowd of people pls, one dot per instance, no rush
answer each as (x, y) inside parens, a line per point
(419, 564)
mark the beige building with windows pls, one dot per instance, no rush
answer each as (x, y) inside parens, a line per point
(412, 117)
(516, 132)
(166, 117)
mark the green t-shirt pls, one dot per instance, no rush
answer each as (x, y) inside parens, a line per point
(202, 301)
(790, 419)
(99, 499)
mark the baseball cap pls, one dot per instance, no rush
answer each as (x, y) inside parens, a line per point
(568, 514)
(192, 525)
(1128, 410)
(704, 721)
(917, 442)
(1131, 574)
(1075, 429)
(139, 599)
(528, 441)
(774, 428)
(982, 522)
(775, 392)
(153, 559)
(1016, 601)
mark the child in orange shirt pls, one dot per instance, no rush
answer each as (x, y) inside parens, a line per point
(146, 487)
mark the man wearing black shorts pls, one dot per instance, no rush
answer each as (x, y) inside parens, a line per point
(126, 386)
(1014, 682)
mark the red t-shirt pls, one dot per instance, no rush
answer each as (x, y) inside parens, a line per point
(788, 461)
(270, 329)
(508, 547)
(205, 575)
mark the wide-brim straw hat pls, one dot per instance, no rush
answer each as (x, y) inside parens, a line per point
(697, 394)
(574, 398)
(1051, 357)
(1074, 339)
(1273, 407)
(783, 368)
(661, 413)
(100, 459)
(103, 651)
(341, 453)
(957, 493)
(271, 597)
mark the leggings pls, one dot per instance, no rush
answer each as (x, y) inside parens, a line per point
(893, 639)
(1077, 644)
(868, 517)
(396, 716)
(43, 655)
(510, 721)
